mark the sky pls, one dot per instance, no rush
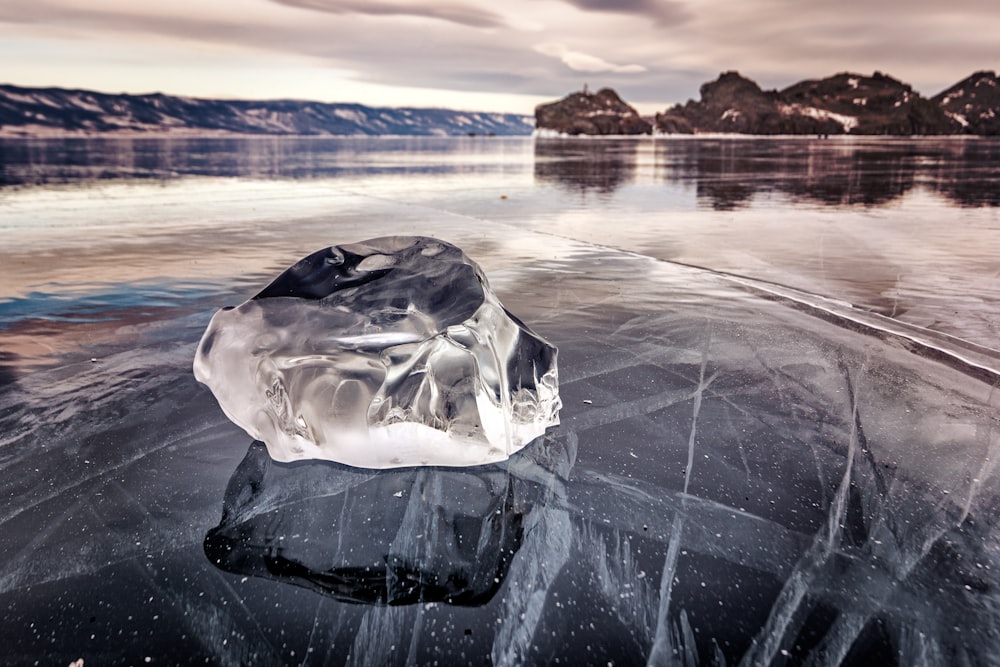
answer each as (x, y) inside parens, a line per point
(485, 56)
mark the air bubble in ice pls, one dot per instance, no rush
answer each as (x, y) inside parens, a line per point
(386, 353)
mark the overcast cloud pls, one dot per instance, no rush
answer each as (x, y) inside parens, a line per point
(485, 55)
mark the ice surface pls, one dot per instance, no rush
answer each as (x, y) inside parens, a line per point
(386, 353)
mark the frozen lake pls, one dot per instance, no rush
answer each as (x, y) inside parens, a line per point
(779, 364)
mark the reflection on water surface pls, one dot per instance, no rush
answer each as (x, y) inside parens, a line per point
(728, 173)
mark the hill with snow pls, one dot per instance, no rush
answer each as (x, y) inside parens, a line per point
(602, 112)
(973, 103)
(845, 103)
(57, 111)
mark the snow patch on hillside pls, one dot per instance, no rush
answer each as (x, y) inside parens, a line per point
(954, 95)
(350, 115)
(848, 122)
(958, 118)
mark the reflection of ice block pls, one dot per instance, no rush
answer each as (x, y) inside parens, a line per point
(391, 537)
(385, 353)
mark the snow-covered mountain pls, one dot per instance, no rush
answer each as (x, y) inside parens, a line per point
(41, 111)
(973, 103)
(845, 103)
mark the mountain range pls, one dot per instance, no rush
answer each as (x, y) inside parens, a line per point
(845, 103)
(42, 111)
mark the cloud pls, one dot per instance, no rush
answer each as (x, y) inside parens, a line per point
(925, 43)
(661, 11)
(653, 52)
(584, 62)
(460, 13)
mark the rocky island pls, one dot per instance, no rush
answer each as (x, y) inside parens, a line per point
(973, 103)
(602, 112)
(844, 103)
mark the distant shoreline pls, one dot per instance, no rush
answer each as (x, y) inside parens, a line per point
(36, 112)
(222, 134)
(676, 136)
(210, 134)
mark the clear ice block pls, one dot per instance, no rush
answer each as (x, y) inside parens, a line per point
(386, 353)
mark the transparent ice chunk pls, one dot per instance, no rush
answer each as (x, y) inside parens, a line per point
(386, 353)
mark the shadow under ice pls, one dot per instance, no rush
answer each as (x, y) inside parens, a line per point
(391, 537)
